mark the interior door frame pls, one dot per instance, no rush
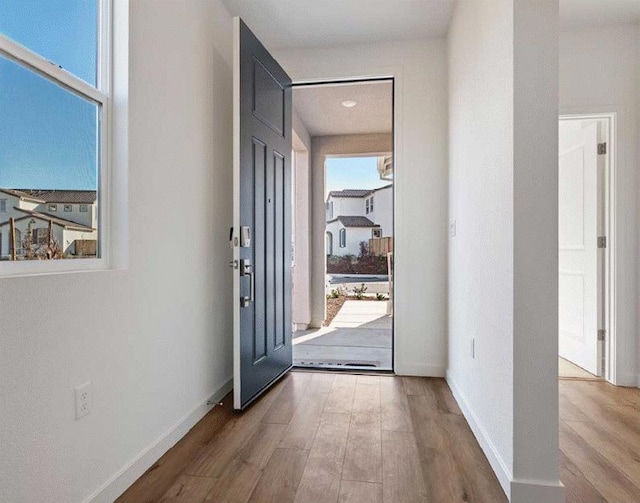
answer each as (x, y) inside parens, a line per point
(384, 77)
(607, 264)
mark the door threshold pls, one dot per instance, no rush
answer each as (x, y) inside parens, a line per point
(573, 378)
(344, 370)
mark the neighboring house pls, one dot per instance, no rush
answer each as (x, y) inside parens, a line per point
(355, 215)
(344, 234)
(72, 215)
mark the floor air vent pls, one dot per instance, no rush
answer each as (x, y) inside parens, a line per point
(337, 364)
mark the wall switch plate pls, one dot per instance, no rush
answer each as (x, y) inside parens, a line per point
(83, 400)
(453, 229)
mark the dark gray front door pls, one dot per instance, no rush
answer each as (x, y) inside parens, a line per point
(262, 220)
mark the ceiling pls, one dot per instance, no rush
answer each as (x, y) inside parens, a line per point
(321, 111)
(575, 13)
(283, 24)
(286, 24)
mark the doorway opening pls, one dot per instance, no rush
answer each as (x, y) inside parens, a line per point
(343, 225)
(586, 242)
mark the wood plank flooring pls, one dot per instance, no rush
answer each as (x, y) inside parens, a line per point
(599, 442)
(338, 438)
(335, 438)
(569, 370)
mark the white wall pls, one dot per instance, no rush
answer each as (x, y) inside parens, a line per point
(301, 275)
(420, 169)
(535, 355)
(503, 259)
(354, 236)
(88, 218)
(334, 228)
(481, 203)
(347, 206)
(382, 213)
(153, 339)
(600, 72)
(5, 230)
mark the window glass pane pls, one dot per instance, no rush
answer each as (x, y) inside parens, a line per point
(48, 159)
(63, 31)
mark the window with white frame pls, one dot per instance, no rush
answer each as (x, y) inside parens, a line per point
(371, 204)
(3, 205)
(54, 97)
(343, 238)
(366, 204)
(376, 233)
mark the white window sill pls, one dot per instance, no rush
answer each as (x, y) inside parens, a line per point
(22, 268)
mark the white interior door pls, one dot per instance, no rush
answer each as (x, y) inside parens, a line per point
(578, 242)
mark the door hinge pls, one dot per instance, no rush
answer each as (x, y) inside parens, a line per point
(601, 334)
(602, 242)
(602, 148)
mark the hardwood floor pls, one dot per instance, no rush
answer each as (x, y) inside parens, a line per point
(336, 438)
(569, 370)
(599, 442)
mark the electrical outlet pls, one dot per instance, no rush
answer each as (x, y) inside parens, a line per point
(83, 400)
(453, 228)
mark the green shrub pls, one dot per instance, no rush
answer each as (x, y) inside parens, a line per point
(359, 291)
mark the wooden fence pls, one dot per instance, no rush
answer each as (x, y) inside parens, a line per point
(86, 247)
(380, 246)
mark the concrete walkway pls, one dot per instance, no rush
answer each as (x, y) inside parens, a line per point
(360, 336)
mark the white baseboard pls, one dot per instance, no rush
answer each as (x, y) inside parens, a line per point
(533, 491)
(419, 369)
(627, 380)
(495, 459)
(132, 471)
(630, 380)
(517, 490)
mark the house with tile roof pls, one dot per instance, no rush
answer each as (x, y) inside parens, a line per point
(357, 215)
(72, 216)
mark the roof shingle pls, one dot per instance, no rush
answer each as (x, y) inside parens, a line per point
(56, 196)
(350, 193)
(356, 192)
(63, 222)
(355, 221)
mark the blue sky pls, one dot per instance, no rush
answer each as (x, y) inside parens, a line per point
(48, 135)
(353, 173)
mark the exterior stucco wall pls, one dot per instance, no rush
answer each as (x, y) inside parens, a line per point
(382, 213)
(301, 274)
(354, 236)
(345, 206)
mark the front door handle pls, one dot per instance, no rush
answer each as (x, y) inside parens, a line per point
(246, 269)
